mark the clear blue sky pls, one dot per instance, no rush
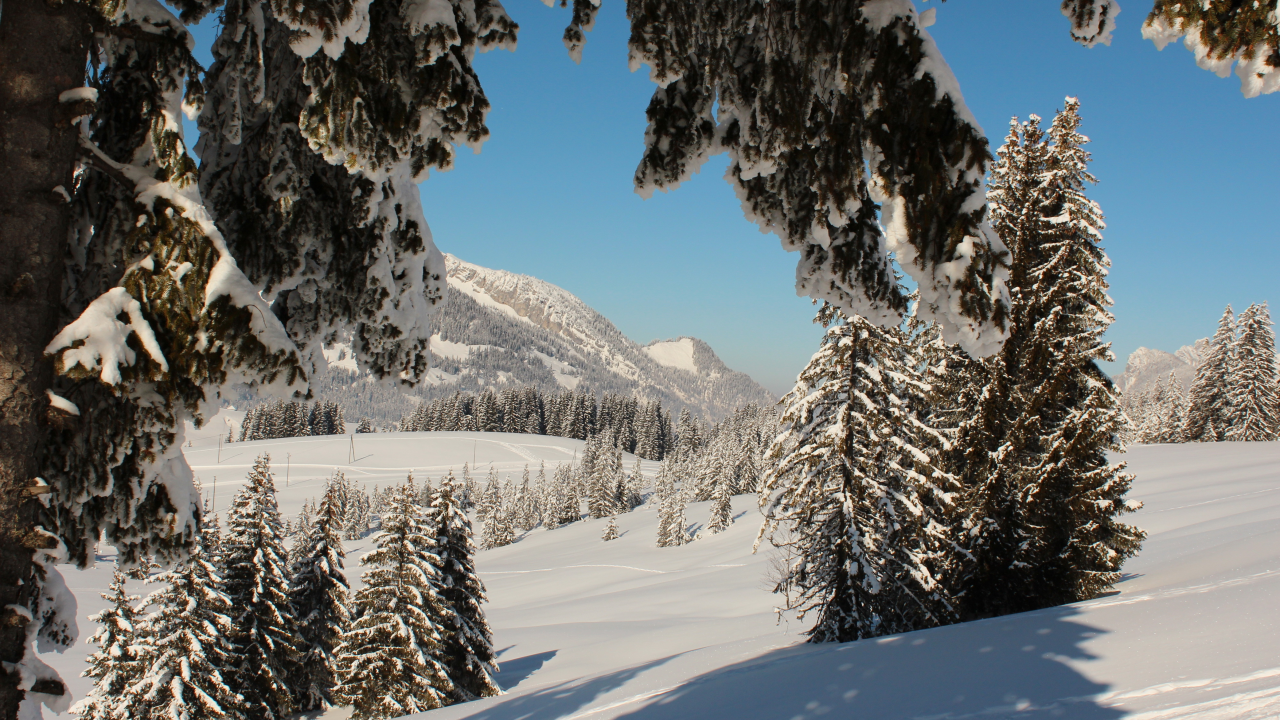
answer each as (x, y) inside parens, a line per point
(1187, 170)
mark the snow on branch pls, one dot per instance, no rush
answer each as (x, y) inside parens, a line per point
(97, 341)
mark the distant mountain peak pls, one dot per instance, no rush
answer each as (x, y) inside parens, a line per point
(502, 328)
(1147, 365)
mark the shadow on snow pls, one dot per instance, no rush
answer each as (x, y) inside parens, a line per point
(1003, 667)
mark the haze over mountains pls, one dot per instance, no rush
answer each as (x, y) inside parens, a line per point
(502, 329)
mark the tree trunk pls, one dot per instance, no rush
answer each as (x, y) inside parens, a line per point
(43, 52)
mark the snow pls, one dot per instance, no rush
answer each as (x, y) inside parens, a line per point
(565, 374)
(340, 355)
(62, 403)
(96, 341)
(673, 353)
(80, 94)
(593, 629)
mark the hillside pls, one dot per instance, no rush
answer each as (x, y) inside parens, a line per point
(598, 630)
(499, 329)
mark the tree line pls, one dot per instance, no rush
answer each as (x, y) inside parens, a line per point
(639, 427)
(1234, 395)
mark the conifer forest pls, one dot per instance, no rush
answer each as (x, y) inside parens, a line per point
(253, 468)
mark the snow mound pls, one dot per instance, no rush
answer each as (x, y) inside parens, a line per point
(673, 353)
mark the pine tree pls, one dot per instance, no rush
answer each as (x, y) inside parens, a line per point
(467, 654)
(1251, 388)
(264, 635)
(610, 530)
(119, 662)
(1041, 501)
(672, 526)
(318, 596)
(855, 501)
(721, 508)
(1174, 411)
(390, 662)
(190, 656)
(1209, 409)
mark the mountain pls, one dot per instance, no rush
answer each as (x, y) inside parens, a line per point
(1145, 366)
(500, 329)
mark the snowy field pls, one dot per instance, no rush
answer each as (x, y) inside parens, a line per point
(623, 629)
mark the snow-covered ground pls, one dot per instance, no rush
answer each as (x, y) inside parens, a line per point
(589, 629)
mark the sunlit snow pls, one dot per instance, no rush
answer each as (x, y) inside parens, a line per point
(673, 353)
(588, 629)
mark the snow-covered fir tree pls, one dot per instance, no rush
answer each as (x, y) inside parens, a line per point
(189, 656)
(467, 654)
(119, 661)
(1209, 410)
(610, 530)
(318, 595)
(1042, 502)
(861, 512)
(1251, 387)
(672, 525)
(264, 635)
(721, 508)
(390, 662)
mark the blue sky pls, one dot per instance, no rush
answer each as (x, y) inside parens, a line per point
(1188, 183)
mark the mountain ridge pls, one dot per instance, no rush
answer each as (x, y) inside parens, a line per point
(503, 329)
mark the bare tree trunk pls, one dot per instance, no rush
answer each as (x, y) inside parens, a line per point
(43, 51)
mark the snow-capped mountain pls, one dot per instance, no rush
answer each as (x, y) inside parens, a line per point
(502, 329)
(1145, 366)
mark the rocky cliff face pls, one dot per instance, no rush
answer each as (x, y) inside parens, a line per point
(1146, 365)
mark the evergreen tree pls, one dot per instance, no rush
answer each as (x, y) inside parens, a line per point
(318, 596)
(1174, 410)
(721, 508)
(264, 635)
(190, 656)
(672, 526)
(1041, 501)
(467, 654)
(1251, 388)
(854, 500)
(1209, 409)
(610, 530)
(119, 661)
(389, 663)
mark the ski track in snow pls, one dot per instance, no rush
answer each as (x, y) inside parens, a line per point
(593, 630)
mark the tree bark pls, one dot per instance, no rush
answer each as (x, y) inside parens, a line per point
(43, 52)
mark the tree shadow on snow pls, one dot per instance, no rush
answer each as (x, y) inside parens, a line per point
(514, 672)
(1000, 668)
(561, 700)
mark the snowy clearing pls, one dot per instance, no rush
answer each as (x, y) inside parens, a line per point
(673, 353)
(589, 629)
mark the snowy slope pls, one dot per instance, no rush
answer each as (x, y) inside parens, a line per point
(503, 330)
(598, 630)
(539, 334)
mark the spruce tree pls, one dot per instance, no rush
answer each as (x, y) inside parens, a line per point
(854, 500)
(318, 596)
(1042, 503)
(190, 656)
(1251, 387)
(264, 635)
(390, 662)
(467, 654)
(672, 525)
(610, 530)
(119, 661)
(721, 507)
(1209, 409)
